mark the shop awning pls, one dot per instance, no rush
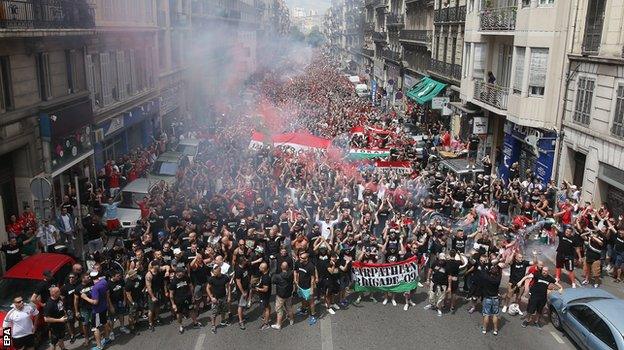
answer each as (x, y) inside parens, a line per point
(425, 90)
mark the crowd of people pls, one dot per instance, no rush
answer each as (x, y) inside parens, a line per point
(279, 225)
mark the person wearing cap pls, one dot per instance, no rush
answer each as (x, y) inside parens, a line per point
(99, 314)
(437, 280)
(181, 297)
(20, 320)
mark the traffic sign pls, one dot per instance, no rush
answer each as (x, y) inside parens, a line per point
(40, 188)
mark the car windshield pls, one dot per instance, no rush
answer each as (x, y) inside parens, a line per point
(14, 287)
(129, 200)
(165, 168)
(187, 150)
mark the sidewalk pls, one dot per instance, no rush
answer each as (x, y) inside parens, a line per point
(547, 253)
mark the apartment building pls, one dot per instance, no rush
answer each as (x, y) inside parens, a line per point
(343, 25)
(45, 111)
(513, 66)
(416, 37)
(122, 63)
(592, 145)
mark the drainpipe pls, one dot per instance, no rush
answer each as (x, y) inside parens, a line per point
(568, 77)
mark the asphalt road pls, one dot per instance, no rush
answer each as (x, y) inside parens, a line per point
(368, 326)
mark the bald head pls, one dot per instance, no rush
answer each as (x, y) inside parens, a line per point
(264, 267)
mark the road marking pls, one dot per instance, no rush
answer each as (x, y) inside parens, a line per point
(200, 341)
(557, 337)
(327, 343)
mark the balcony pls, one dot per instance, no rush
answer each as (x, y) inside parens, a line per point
(380, 37)
(45, 14)
(445, 69)
(394, 20)
(498, 19)
(491, 94)
(391, 55)
(450, 15)
(422, 37)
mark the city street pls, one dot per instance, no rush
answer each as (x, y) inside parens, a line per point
(369, 326)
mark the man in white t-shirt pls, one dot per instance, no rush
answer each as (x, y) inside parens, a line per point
(20, 320)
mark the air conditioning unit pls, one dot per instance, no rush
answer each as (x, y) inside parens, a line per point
(99, 135)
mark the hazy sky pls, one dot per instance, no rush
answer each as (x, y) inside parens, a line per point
(319, 5)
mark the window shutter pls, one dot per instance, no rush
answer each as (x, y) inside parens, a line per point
(539, 64)
(479, 61)
(107, 94)
(89, 75)
(121, 76)
(519, 69)
(133, 72)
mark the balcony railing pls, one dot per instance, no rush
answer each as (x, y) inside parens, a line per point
(492, 94)
(446, 69)
(498, 19)
(450, 15)
(45, 14)
(368, 52)
(391, 55)
(394, 19)
(417, 36)
(380, 36)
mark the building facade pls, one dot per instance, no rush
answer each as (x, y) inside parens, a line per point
(44, 103)
(592, 147)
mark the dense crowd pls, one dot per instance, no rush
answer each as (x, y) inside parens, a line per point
(279, 225)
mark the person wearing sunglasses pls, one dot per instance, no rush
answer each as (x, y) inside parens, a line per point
(20, 320)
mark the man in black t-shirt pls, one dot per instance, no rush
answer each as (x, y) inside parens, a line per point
(263, 288)
(242, 278)
(284, 286)
(12, 252)
(594, 245)
(181, 297)
(473, 150)
(453, 264)
(218, 292)
(134, 285)
(517, 271)
(618, 254)
(54, 316)
(67, 295)
(568, 250)
(42, 293)
(305, 281)
(538, 295)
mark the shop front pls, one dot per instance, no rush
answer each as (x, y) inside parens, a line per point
(67, 132)
(532, 148)
(611, 185)
(422, 94)
(127, 131)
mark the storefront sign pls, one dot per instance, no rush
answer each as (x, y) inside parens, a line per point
(439, 102)
(373, 91)
(116, 123)
(479, 125)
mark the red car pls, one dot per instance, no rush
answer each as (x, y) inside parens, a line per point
(24, 278)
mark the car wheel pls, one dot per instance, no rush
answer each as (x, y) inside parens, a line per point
(555, 319)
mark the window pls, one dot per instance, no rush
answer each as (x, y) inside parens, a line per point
(105, 78)
(617, 128)
(479, 61)
(584, 96)
(601, 330)
(43, 75)
(537, 71)
(467, 60)
(114, 77)
(546, 2)
(6, 95)
(71, 70)
(94, 79)
(584, 315)
(593, 25)
(519, 70)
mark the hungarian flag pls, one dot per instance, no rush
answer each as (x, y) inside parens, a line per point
(368, 153)
(403, 167)
(397, 277)
(297, 140)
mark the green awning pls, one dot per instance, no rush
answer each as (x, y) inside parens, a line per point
(425, 90)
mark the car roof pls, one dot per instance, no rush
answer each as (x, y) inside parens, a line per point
(34, 266)
(612, 310)
(189, 142)
(459, 166)
(141, 185)
(169, 156)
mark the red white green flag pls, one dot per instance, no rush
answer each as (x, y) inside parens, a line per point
(396, 277)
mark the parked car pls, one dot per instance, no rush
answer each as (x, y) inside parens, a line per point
(362, 90)
(592, 317)
(188, 148)
(165, 168)
(459, 167)
(24, 278)
(128, 210)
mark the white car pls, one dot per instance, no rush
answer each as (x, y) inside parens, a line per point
(165, 168)
(188, 148)
(128, 209)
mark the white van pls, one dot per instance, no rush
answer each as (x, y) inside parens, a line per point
(128, 210)
(188, 148)
(362, 90)
(166, 168)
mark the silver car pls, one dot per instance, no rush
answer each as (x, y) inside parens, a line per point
(593, 317)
